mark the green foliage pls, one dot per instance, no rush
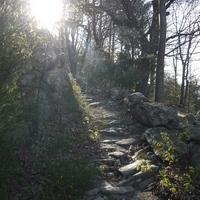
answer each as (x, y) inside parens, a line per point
(172, 90)
(129, 71)
(10, 109)
(128, 78)
(72, 102)
(74, 97)
(176, 178)
(176, 181)
(17, 38)
(145, 166)
(192, 101)
(6, 168)
(98, 70)
(34, 116)
(52, 169)
(75, 176)
(185, 136)
(168, 152)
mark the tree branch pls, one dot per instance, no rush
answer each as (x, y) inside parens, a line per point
(169, 3)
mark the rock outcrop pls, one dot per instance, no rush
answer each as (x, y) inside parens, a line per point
(153, 115)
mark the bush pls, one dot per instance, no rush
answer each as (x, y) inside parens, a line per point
(176, 179)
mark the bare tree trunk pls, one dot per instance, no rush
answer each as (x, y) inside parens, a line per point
(88, 38)
(185, 71)
(175, 63)
(142, 86)
(113, 42)
(159, 96)
(186, 92)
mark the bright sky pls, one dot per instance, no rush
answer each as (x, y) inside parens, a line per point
(47, 12)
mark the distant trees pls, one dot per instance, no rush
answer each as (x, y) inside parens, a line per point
(139, 30)
(182, 41)
(16, 38)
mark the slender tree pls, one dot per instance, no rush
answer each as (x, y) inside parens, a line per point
(159, 96)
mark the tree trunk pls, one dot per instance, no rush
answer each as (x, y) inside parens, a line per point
(142, 86)
(159, 96)
(186, 92)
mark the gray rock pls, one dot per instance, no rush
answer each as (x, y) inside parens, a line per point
(98, 91)
(96, 104)
(126, 102)
(162, 140)
(106, 161)
(137, 97)
(118, 163)
(117, 93)
(127, 142)
(130, 169)
(123, 122)
(112, 147)
(92, 192)
(118, 154)
(127, 122)
(192, 119)
(139, 177)
(111, 104)
(131, 180)
(144, 184)
(117, 190)
(56, 79)
(99, 198)
(131, 150)
(142, 153)
(194, 133)
(110, 174)
(109, 141)
(111, 132)
(155, 115)
(195, 155)
(115, 123)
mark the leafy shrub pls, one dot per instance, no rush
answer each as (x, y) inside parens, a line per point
(177, 178)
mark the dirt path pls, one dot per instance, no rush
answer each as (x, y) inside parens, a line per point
(118, 137)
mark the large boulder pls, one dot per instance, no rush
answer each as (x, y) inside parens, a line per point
(193, 133)
(137, 97)
(192, 119)
(166, 144)
(155, 115)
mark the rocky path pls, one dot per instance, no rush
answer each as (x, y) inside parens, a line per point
(121, 150)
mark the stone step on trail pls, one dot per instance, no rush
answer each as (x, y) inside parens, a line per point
(121, 122)
(112, 132)
(130, 169)
(112, 147)
(128, 141)
(118, 155)
(139, 177)
(117, 190)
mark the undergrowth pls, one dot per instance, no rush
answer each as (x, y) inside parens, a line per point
(54, 166)
(177, 178)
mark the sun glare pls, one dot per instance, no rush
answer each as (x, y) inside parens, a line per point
(47, 12)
